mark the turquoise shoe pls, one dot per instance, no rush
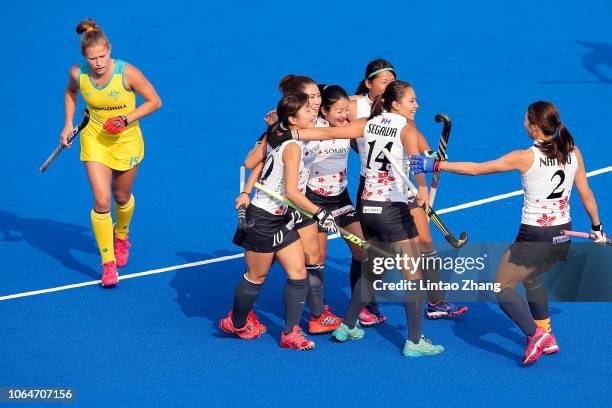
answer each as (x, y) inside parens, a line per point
(343, 333)
(423, 348)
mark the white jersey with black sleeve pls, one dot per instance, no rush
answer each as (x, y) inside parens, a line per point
(272, 177)
(547, 186)
(328, 172)
(364, 108)
(382, 182)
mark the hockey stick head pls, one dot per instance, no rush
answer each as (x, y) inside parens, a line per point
(443, 117)
(463, 239)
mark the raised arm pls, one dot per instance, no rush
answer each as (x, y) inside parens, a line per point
(353, 130)
(520, 160)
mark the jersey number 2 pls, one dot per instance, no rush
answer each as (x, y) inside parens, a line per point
(557, 194)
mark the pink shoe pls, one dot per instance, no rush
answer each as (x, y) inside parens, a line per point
(296, 340)
(110, 276)
(366, 318)
(122, 250)
(552, 347)
(249, 331)
(536, 345)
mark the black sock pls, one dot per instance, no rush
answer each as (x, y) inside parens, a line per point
(538, 300)
(415, 301)
(431, 273)
(315, 290)
(295, 295)
(354, 273)
(362, 295)
(244, 297)
(515, 307)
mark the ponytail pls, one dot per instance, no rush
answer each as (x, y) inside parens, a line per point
(377, 107)
(91, 34)
(564, 144)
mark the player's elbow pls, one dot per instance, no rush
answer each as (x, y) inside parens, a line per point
(157, 103)
(292, 193)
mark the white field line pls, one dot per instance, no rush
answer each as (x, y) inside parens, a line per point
(236, 256)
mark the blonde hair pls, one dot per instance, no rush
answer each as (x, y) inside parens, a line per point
(91, 34)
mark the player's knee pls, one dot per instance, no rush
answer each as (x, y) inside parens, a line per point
(297, 272)
(256, 277)
(506, 284)
(102, 203)
(122, 197)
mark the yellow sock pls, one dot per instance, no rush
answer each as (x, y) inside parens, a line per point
(544, 324)
(103, 230)
(124, 216)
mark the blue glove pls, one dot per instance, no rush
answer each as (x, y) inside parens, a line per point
(423, 164)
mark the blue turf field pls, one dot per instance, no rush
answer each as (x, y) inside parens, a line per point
(153, 341)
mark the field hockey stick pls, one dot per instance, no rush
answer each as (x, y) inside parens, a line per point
(344, 233)
(440, 117)
(456, 243)
(59, 148)
(242, 226)
(584, 235)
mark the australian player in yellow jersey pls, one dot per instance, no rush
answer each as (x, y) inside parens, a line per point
(111, 144)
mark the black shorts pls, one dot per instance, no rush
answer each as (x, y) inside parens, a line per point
(540, 246)
(300, 219)
(387, 222)
(270, 233)
(340, 206)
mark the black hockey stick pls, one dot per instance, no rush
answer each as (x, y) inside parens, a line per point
(450, 238)
(446, 129)
(59, 148)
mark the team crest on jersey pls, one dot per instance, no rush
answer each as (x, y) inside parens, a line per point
(114, 94)
(385, 121)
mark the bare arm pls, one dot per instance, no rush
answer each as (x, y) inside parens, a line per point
(517, 160)
(135, 80)
(291, 159)
(586, 195)
(353, 130)
(423, 145)
(257, 154)
(70, 101)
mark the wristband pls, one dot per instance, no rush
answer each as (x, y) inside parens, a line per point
(244, 192)
(596, 227)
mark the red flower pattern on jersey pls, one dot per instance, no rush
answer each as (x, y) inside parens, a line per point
(384, 178)
(342, 176)
(279, 211)
(545, 220)
(564, 203)
(321, 180)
